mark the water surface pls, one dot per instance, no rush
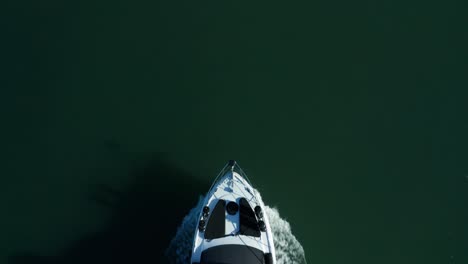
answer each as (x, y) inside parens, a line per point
(350, 117)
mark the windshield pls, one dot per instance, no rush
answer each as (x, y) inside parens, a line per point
(232, 254)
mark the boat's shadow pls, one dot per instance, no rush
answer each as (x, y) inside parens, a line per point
(144, 218)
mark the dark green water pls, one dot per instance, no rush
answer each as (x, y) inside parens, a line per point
(350, 117)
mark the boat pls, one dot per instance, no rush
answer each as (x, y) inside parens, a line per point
(232, 226)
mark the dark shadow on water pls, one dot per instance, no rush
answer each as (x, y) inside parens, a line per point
(144, 218)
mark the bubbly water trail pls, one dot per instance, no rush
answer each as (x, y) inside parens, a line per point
(288, 249)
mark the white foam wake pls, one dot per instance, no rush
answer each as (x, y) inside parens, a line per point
(288, 249)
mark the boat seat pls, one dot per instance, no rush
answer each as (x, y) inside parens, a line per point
(216, 226)
(247, 219)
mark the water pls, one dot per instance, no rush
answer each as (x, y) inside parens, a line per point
(288, 249)
(350, 117)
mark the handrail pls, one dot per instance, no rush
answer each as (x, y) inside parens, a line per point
(232, 164)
